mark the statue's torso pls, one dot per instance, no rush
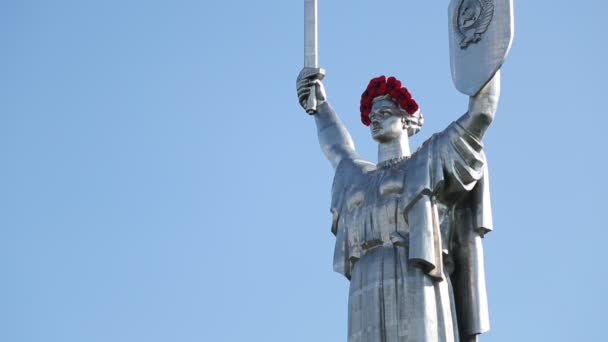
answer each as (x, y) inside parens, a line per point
(394, 229)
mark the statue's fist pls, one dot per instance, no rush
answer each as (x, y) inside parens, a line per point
(306, 86)
(311, 92)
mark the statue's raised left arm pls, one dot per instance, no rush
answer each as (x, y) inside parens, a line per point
(482, 108)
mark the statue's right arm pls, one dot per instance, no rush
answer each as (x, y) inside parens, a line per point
(336, 143)
(334, 139)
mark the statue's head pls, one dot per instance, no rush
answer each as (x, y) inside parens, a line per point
(389, 109)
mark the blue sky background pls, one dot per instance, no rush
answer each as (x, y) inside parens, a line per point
(159, 182)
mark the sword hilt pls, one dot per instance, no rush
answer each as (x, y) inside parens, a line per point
(312, 74)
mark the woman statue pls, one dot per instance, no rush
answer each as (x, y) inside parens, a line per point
(409, 228)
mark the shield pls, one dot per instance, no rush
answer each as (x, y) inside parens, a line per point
(481, 33)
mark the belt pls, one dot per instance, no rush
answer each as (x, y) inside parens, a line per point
(395, 239)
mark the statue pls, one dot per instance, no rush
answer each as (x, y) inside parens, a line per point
(409, 228)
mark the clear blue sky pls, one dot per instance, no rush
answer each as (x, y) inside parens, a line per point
(159, 182)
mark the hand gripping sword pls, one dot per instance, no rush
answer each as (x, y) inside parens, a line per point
(311, 68)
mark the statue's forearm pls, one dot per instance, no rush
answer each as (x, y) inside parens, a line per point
(336, 143)
(482, 107)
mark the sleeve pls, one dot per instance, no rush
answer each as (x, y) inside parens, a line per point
(451, 168)
(338, 227)
(468, 278)
(466, 172)
(350, 174)
(447, 165)
(463, 159)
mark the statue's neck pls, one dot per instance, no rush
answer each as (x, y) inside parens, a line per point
(395, 148)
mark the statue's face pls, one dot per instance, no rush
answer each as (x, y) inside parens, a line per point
(386, 121)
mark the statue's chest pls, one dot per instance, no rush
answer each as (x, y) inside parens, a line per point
(374, 208)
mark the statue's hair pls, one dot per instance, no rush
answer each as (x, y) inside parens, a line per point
(390, 87)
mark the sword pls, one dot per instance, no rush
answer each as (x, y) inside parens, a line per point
(311, 68)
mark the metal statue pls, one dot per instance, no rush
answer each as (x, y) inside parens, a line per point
(409, 228)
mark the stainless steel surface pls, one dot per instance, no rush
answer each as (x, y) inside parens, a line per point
(310, 34)
(311, 57)
(409, 229)
(472, 20)
(480, 36)
(312, 101)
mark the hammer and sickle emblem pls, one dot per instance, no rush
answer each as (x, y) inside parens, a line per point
(474, 17)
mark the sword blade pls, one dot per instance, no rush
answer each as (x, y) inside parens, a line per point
(310, 34)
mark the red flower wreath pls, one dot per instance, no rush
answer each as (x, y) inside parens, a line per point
(382, 86)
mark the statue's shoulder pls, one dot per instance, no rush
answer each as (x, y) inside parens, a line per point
(351, 167)
(445, 139)
(351, 173)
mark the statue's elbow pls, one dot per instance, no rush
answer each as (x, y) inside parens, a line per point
(483, 110)
(485, 118)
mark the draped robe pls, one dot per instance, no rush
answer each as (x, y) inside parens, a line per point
(408, 237)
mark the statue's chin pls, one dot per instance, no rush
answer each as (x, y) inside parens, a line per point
(382, 137)
(378, 137)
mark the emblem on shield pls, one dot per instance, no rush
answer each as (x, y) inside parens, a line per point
(474, 17)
